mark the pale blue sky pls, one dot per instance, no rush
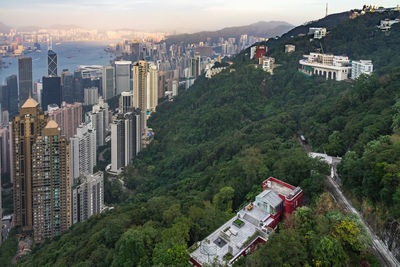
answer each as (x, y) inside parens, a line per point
(182, 15)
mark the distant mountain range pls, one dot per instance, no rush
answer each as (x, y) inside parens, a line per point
(4, 28)
(261, 29)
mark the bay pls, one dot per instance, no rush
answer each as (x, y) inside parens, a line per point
(69, 56)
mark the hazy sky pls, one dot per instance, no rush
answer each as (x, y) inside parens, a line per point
(182, 15)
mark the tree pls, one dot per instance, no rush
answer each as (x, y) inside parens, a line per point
(329, 252)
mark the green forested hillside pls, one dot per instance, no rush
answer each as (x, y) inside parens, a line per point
(219, 140)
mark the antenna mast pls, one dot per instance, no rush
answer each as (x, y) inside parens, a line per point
(326, 14)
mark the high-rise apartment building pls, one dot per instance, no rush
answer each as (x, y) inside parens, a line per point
(122, 76)
(51, 187)
(126, 141)
(87, 197)
(51, 93)
(126, 102)
(25, 129)
(10, 95)
(5, 150)
(40, 170)
(83, 151)
(196, 66)
(68, 118)
(152, 88)
(91, 96)
(51, 63)
(108, 82)
(24, 78)
(100, 119)
(139, 88)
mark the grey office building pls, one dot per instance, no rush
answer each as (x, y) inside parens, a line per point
(24, 78)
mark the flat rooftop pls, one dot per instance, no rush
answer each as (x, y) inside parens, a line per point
(230, 236)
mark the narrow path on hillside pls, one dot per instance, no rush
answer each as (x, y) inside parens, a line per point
(381, 250)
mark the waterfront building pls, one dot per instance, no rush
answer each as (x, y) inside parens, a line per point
(24, 78)
(359, 67)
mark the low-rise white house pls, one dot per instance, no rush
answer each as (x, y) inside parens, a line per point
(361, 67)
(318, 33)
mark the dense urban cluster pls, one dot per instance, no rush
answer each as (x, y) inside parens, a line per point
(191, 132)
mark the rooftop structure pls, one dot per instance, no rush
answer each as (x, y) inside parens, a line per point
(387, 24)
(290, 48)
(318, 33)
(267, 63)
(252, 225)
(330, 66)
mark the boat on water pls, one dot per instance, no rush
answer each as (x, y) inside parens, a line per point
(69, 57)
(58, 43)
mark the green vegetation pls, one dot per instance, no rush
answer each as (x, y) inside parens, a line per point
(321, 236)
(217, 142)
(238, 222)
(8, 248)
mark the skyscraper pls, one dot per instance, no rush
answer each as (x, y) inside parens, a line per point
(125, 102)
(83, 151)
(52, 63)
(25, 78)
(99, 119)
(91, 96)
(196, 66)
(68, 118)
(51, 188)
(25, 129)
(122, 76)
(139, 88)
(152, 88)
(78, 86)
(10, 95)
(108, 82)
(51, 93)
(88, 197)
(125, 139)
(67, 83)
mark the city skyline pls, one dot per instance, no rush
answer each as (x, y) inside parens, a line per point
(175, 15)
